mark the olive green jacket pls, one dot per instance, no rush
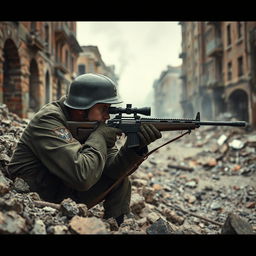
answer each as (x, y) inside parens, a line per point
(47, 148)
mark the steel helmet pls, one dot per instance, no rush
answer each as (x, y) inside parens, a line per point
(89, 89)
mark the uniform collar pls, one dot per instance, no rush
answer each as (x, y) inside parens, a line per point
(63, 107)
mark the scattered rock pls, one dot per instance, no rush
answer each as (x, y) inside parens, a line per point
(173, 217)
(160, 227)
(90, 225)
(69, 208)
(235, 225)
(12, 223)
(153, 217)
(21, 186)
(211, 172)
(39, 228)
(236, 144)
(58, 230)
(215, 205)
(191, 184)
(137, 203)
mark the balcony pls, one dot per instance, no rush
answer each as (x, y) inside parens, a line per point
(61, 66)
(62, 31)
(214, 48)
(210, 81)
(74, 43)
(34, 41)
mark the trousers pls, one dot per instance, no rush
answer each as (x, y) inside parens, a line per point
(50, 188)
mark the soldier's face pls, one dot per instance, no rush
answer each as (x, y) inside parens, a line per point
(99, 112)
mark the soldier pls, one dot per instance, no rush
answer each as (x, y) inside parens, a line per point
(57, 166)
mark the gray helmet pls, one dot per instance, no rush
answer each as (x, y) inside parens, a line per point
(89, 89)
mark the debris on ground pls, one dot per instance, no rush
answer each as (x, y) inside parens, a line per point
(204, 183)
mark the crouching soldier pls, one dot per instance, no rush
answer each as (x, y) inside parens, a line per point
(57, 166)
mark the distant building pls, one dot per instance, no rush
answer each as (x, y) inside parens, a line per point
(90, 61)
(167, 92)
(218, 69)
(38, 62)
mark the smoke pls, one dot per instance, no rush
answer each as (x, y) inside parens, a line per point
(114, 43)
(139, 51)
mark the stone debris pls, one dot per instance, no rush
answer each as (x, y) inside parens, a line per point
(189, 187)
(160, 226)
(69, 208)
(12, 223)
(89, 225)
(235, 225)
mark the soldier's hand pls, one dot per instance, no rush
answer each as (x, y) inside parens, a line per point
(109, 133)
(148, 133)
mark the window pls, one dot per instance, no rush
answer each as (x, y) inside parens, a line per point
(239, 29)
(81, 69)
(240, 66)
(91, 67)
(67, 59)
(229, 71)
(57, 52)
(33, 26)
(46, 28)
(72, 64)
(228, 34)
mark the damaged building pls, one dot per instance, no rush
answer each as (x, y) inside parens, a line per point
(218, 69)
(90, 61)
(38, 62)
(167, 91)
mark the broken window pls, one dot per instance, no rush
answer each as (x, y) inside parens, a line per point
(240, 66)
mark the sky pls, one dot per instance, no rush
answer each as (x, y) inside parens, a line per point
(139, 50)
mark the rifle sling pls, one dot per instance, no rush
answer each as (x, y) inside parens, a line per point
(133, 169)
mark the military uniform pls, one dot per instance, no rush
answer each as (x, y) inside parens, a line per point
(57, 166)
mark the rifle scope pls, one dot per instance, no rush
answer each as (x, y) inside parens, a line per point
(129, 110)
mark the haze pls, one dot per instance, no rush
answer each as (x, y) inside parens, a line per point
(140, 51)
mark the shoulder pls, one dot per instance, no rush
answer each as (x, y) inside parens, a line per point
(48, 112)
(50, 116)
(49, 122)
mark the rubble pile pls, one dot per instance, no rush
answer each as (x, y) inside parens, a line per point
(204, 183)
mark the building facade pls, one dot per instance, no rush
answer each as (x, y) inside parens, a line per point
(218, 73)
(167, 93)
(37, 63)
(90, 61)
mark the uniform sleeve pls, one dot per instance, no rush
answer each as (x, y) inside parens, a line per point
(79, 166)
(120, 162)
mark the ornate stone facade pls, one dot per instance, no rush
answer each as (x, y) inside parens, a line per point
(37, 63)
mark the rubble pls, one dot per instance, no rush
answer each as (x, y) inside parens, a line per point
(189, 187)
(160, 227)
(235, 225)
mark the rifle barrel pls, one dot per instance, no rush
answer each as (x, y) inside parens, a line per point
(223, 123)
